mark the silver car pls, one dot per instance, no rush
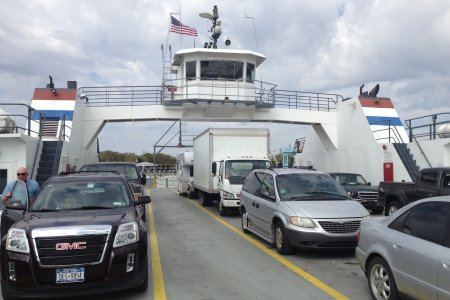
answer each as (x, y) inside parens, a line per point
(408, 252)
(299, 208)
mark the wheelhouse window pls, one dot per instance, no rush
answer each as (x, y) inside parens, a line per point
(221, 69)
(250, 76)
(191, 70)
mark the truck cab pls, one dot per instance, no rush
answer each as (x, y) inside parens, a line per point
(231, 176)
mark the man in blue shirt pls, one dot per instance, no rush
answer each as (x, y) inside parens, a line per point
(22, 175)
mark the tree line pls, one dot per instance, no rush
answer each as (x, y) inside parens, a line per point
(161, 159)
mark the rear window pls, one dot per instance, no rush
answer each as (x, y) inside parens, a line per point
(82, 195)
(128, 171)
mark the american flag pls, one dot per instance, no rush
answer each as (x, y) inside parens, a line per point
(178, 27)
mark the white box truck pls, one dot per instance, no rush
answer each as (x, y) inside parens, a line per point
(223, 158)
(185, 173)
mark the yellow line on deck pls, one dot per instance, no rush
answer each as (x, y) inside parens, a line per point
(159, 289)
(321, 285)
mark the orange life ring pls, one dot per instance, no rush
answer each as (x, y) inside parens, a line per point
(67, 168)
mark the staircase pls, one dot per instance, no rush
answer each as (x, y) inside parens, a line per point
(49, 162)
(50, 128)
(407, 159)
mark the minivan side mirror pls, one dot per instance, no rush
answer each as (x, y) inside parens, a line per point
(15, 204)
(266, 195)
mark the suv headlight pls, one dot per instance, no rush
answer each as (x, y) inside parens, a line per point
(126, 234)
(354, 194)
(301, 222)
(17, 241)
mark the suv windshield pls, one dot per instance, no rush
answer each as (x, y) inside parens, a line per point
(82, 194)
(128, 171)
(298, 187)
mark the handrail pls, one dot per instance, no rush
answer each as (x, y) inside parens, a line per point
(431, 122)
(179, 91)
(60, 140)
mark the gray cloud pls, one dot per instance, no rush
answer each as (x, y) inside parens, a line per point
(325, 46)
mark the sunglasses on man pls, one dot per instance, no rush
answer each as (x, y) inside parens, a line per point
(21, 174)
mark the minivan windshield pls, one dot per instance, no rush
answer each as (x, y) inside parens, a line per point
(299, 187)
(81, 194)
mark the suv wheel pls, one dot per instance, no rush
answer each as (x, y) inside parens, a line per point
(281, 241)
(143, 286)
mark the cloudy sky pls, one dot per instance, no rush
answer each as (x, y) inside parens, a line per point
(311, 45)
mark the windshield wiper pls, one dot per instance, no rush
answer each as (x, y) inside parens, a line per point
(45, 210)
(326, 194)
(92, 207)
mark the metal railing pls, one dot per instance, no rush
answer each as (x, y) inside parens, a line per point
(121, 95)
(181, 91)
(424, 128)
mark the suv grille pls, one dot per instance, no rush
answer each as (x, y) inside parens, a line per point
(91, 250)
(340, 227)
(368, 196)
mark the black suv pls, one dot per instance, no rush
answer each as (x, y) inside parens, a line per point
(81, 235)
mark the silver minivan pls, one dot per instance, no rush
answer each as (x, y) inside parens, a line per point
(297, 208)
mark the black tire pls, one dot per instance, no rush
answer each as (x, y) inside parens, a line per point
(280, 239)
(144, 285)
(377, 211)
(391, 207)
(222, 210)
(381, 281)
(244, 221)
(203, 198)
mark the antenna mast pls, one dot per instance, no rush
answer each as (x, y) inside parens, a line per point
(215, 29)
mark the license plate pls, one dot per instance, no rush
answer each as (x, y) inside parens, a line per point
(69, 275)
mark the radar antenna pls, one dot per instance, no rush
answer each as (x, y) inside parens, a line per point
(215, 29)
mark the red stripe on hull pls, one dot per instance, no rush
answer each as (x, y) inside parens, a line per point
(60, 94)
(376, 103)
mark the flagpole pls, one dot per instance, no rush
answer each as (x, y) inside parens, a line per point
(179, 9)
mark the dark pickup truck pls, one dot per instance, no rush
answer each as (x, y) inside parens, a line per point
(81, 235)
(360, 190)
(429, 183)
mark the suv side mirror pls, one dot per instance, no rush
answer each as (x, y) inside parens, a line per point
(143, 179)
(143, 199)
(369, 183)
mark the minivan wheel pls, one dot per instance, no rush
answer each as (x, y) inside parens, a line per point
(244, 221)
(381, 281)
(281, 241)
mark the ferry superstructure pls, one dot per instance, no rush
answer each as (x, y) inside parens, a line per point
(359, 134)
